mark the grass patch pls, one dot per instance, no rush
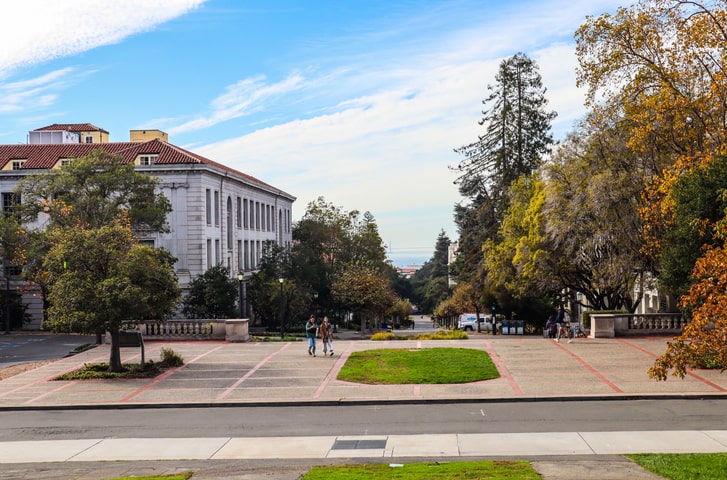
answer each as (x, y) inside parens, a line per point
(684, 466)
(418, 366)
(176, 476)
(515, 470)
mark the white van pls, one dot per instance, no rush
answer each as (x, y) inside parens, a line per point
(468, 321)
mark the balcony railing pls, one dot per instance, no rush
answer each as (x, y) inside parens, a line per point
(621, 324)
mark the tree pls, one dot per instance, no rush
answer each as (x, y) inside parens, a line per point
(89, 196)
(469, 297)
(657, 67)
(212, 295)
(431, 282)
(91, 191)
(400, 311)
(265, 289)
(101, 279)
(698, 202)
(661, 65)
(328, 242)
(517, 137)
(364, 291)
(591, 225)
(702, 341)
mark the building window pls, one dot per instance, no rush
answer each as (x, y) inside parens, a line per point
(238, 218)
(257, 215)
(217, 251)
(147, 159)
(246, 256)
(244, 214)
(147, 243)
(11, 202)
(18, 164)
(217, 208)
(64, 162)
(239, 256)
(208, 205)
(252, 215)
(229, 223)
(209, 253)
(89, 139)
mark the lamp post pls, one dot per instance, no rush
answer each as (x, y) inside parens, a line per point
(280, 310)
(241, 279)
(7, 296)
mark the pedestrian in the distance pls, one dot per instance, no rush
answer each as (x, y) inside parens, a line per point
(326, 332)
(560, 320)
(311, 328)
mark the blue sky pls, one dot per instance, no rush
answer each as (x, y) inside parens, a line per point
(359, 101)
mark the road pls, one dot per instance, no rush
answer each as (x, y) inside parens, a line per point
(24, 348)
(485, 417)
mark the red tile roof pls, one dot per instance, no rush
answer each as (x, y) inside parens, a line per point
(72, 127)
(44, 156)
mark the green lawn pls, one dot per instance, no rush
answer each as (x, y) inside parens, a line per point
(418, 366)
(684, 466)
(511, 470)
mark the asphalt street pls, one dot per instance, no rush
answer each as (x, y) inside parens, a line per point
(17, 348)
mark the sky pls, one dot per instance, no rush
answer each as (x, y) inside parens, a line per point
(361, 102)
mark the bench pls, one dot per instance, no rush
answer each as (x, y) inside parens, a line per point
(132, 339)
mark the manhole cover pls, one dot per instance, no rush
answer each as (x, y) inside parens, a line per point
(358, 444)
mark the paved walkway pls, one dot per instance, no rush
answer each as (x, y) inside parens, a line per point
(218, 373)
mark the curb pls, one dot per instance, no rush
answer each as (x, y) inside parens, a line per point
(334, 403)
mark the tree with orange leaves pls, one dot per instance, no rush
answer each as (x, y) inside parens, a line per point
(704, 339)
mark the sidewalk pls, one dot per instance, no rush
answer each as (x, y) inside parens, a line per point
(218, 374)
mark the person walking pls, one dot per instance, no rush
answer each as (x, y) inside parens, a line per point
(550, 327)
(326, 331)
(311, 329)
(560, 320)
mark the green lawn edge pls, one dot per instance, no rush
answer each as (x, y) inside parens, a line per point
(401, 366)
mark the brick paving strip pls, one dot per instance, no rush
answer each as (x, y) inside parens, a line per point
(502, 368)
(689, 372)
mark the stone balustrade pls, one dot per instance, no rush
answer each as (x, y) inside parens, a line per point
(609, 325)
(230, 330)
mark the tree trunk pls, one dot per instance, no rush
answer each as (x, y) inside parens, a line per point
(115, 356)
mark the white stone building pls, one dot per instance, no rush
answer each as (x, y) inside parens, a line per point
(219, 215)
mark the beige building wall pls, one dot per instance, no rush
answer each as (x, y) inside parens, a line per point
(147, 135)
(96, 137)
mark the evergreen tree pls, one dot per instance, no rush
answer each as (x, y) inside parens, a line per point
(431, 282)
(517, 137)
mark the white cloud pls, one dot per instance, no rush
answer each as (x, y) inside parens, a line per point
(388, 149)
(242, 98)
(41, 30)
(33, 93)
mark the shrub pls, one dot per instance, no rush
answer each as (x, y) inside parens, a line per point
(448, 335)
(383, 336)
(170, 358)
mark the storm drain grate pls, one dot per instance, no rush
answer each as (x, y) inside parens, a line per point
(358, 444)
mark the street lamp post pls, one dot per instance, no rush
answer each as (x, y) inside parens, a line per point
(241, 279)
(7, 296)
(280, 310)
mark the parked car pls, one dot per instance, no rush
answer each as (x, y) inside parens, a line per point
(468, 321)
